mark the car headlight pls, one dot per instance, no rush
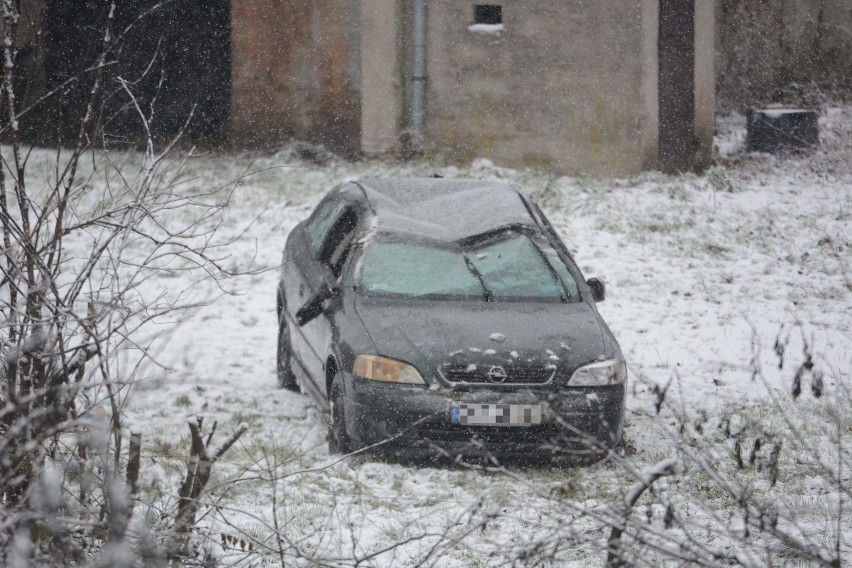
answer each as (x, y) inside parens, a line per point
(377, 368)
(602, 373)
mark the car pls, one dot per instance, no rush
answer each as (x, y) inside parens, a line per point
(441, 318)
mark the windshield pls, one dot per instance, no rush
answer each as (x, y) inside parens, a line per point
(511, 267)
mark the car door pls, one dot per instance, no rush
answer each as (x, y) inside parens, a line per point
(306, 274)
(327, 272)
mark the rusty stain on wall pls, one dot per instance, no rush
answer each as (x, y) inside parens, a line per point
(295, 73)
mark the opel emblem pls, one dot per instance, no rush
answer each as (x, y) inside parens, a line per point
(497, 374)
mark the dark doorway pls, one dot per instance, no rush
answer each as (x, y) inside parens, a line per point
(175, 56)
(676, 45)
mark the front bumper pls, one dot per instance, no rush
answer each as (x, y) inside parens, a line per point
(578, 424)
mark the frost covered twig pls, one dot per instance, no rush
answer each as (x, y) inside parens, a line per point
(203, 455)
(81, 242)
(649, 476)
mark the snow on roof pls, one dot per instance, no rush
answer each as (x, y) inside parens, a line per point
(489, 29)
(779, 112)
(446, 209)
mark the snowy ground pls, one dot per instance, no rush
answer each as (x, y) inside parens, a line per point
(704, 273)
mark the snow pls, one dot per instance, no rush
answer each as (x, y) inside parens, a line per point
(703, 272)
(648, 476)
(21, 550)
(487, 29)
(779, 112)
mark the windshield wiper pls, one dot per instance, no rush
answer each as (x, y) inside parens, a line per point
(487, 293)
(566, 296)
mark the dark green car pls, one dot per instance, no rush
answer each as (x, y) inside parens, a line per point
(437, 317)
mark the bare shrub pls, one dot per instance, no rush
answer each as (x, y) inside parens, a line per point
(718, 500)
(85, 233)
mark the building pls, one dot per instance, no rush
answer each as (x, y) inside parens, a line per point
(605, 87)
(602, 87)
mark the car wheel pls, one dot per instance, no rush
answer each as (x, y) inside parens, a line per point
(286, 377)
(339, 441)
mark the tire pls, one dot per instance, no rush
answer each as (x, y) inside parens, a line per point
(284, 358)
(339, 441)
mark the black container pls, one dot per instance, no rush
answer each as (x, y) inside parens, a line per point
(774, 130)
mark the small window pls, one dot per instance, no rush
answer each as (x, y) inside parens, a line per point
(326, 213)
(490, 14)
(335, 247)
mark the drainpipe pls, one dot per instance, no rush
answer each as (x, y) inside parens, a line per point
(418, 74)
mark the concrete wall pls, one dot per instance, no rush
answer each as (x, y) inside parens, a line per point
(650, 84)
(381, 76)
(561, 87)
(296, 72)
(705, 82)
(783, 51)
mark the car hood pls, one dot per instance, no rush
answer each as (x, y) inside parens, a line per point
(433, 334)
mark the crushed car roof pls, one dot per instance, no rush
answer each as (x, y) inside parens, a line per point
(447, 209)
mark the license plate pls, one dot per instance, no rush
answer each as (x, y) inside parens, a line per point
(496, 414)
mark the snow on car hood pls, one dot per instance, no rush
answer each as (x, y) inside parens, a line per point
(432, 333)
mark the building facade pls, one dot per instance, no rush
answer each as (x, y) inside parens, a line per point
(607, 87)
(296, 72)
(571, 86)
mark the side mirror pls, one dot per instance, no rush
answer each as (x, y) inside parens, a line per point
(314, 306)
(598, 289)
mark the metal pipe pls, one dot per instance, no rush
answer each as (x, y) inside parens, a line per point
(418, 74)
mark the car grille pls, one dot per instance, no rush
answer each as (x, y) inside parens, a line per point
(491, 375)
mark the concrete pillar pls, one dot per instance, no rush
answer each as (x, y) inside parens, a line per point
(676, 92)
(687, 102)
(705, 82)
(650, 129)
(381, 102)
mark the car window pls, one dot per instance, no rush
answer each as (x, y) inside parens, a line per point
(559, 265)
(323, 218)
(517, 268)
(417, 270)
(338, 239)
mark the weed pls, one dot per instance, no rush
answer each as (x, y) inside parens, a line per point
(249, 418)
(398, 483)
(721, 179)
(714, 249)
(549, 196)
(677, 191)
(472, 559)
